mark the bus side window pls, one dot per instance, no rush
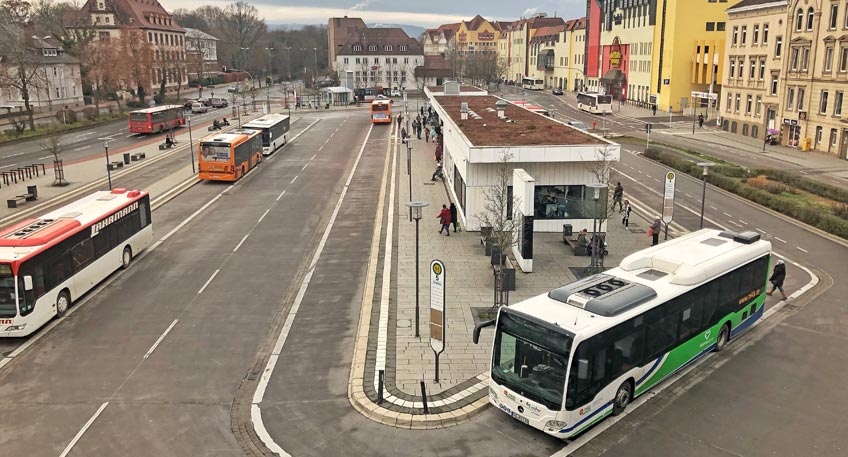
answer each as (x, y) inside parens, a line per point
(691, 309)
(661, 330)
(709, 294)
(728, 292)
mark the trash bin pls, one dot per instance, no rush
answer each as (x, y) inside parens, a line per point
(327, 106)
(567, 231)
(806, 144)
(126, 158)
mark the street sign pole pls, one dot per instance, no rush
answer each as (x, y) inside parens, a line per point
(668, 201)
(437, 310)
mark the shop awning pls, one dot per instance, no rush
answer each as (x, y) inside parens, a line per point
(614, 76)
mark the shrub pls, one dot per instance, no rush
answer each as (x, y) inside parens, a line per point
(814, 187)
(840, 210)
(89, 112)
(66, 116)
(135, 104)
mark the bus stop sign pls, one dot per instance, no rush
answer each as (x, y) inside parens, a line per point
(668, 198)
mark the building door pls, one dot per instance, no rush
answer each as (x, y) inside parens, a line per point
(792, 135)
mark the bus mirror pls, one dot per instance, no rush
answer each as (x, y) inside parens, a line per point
(27, 282)
(476, 335)
(582, 369)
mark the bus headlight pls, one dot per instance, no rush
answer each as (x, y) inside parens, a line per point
(554, 426)
(15, 328)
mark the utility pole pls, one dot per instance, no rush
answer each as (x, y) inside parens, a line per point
(270, 79)
(315, 73)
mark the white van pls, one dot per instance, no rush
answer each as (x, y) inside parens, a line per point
(199, 107)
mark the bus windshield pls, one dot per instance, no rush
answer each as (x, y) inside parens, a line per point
(215, 152)
(379, 107)
(138, 117)
(531, 359)
(604, 99)
(7, 291)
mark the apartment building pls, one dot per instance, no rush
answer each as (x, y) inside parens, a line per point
(753, 62)
(385, 57)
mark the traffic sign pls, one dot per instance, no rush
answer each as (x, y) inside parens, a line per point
(437, 306)
(668, 198)
(648, 128)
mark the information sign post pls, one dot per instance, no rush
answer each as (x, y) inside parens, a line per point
(668, 201)
(437, 310)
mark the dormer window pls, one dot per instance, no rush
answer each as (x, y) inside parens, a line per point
(357, 48)
(387, 48)
(403, 48)
(372, 48)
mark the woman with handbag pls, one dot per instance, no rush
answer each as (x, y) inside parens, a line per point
(654, 231)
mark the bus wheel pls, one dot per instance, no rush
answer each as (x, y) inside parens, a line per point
(126, 258)
(63, 302)
(622, 398)
(723, 337)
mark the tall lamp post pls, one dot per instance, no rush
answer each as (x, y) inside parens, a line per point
(409, 170)
(315, 72)
(190, 145)
(270, 79)
(244, 58)
(108, 166)
(416, 214)
(595, 265)
(705, 166)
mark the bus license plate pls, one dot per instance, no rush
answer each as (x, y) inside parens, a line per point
(520, 417)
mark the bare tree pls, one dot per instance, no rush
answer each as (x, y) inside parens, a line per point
(500, 209)
(136, 60)
(602, 169)
(52, 143)
(101, 58)
(19, 61)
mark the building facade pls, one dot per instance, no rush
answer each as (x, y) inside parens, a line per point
(626, 46)
(543, 54)
(753, 64)
(385, 57)
(338, 29)
(201, 52)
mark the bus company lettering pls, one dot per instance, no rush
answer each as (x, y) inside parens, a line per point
(752, 295)
(5, 321)
(100, 225)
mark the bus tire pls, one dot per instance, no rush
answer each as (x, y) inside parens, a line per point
(722, 338)
(63, 302)
(623, 396)
(126, 258)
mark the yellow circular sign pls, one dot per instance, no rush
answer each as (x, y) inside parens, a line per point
(437, 268)
(670, 175)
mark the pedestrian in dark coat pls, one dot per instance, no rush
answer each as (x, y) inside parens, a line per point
(454, 218)
(444, 218)
(655, 231)
(700, 121)
(617, 194)
(654, 109)
(777, 277)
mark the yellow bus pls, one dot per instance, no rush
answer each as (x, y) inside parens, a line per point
(229, 156)
(381, 112)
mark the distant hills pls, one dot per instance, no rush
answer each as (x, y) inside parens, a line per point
(412, 30)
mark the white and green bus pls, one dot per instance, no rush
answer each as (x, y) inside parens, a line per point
(564, 360)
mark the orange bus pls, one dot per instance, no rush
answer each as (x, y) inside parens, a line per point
(157, 119)
(229, 156)
(381, 112)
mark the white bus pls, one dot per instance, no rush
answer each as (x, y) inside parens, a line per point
(274, 128)
(47, 263)
(594, 102)
(564, 360)
(532, 83)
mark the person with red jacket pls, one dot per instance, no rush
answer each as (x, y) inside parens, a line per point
(444, 219)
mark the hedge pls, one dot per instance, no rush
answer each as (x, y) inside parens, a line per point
(802, 211)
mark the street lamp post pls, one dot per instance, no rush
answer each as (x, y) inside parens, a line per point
(270, 78)
(244, 58)
(409, 170)
(190, 145)
(705, 166)
(595, 265)
(416, 214)
(108, 165)
(315, 72)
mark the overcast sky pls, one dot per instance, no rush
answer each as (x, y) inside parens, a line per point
(423, 13)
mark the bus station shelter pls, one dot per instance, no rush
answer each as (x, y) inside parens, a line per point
(336, 96)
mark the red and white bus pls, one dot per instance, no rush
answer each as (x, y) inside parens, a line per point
(156, 119)
(47, 263)
(381, 112)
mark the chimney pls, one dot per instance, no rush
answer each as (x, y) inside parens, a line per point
(463, 111)
(501, 106)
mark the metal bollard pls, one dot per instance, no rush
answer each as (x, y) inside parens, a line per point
(424, 397)
(380, 387)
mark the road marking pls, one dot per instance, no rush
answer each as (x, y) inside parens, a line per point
(83, 430)
(689, 195)
(657, 180)
(190, 218)
(15, 155)
(728, 214)
(326, 141)
(802, 249)
(743, 222)
(314, 156)
(80, 149)
(281, 195)
(9, 166)
(240, 243)
(761, 230)
(293, 179)
(167, 330)
(259, 394)
(207, 282)
(778, 239)
(713, 208)
(263, 215)
(734, 223)
(45, 157)
(304, 166)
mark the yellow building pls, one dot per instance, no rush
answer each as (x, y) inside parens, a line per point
(476, 36)
(687, 51)
(626, 39)
(568, 72)
(517, 43)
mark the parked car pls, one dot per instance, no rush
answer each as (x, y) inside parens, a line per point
(188, 102)
(233, 89)
(199, 107)
(578, 125)
(219, 103)
(556, 91)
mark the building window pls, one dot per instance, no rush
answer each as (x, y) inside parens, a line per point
(774, 79)
(837, 104)
(735, 36)
(801, 92)
(357, 48)
(732, 68)
(710, 26)
(833, 137)
(758, 107)
(805, 53)
(753, 73)
(729, 102)
(790, 98)
(403, 48)
(748, 105)
(345, 61)
(828, 59)
(387, 48)
(778, 46)
(799, 19)
(810, 16)
(818, 135)
(823, 104)
(762, 69)
(834, 10)
(744, 34)
(755, 38)
(720, 26)
(794, 59)
(560, 202)
(738, 102)
(843, 59)
(372, 48)
(765, 34)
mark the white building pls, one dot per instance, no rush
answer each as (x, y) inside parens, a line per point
(201, 52)
(558, 158)
(384, 57)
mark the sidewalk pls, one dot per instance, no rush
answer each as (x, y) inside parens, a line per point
(462, 390)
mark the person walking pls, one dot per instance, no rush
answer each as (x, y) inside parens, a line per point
(399, 119)
(617, 194)
(438, 153)
(625, 213)
(701, 121)
(654, 109)
(427, 135)
(454, 218)
(777, 277)
(416, 127)
(655, 231)
(403, 135)
(444, 218)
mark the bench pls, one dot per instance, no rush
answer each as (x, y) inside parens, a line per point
(115, 165)
(164, 146)
(30, 196)
(137, 156)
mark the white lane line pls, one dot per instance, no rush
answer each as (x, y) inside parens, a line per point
(688, 195)
(734, 223)
(9, 166)
(781, 240)
(294, 179)
(304, 166)
(83, 429)
(640, 172)
(259, 394)
(130, 135)
(657, 180)
(189, 219)
(80, 149)
(240, 243)
(321, 148)
(728, 214)
(743, 222)
(326, 141)
(802, 249)
(207, 282)
(314, 156)
(761, 230)
(45, 157)
(281, 195)
(263, 215)
(713, 208)
(167, 330)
